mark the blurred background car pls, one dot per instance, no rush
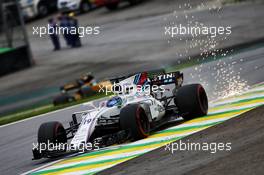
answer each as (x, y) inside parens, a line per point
(75, 5)
(37, 8)
(85, 86)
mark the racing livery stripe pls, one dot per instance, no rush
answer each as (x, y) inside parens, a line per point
(220, 111)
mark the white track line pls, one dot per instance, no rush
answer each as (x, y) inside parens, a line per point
(102, 158)
(39, 168)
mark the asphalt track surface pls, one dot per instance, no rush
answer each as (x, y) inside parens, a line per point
(16, 139)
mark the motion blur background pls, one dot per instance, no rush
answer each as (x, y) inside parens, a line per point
(131, 40)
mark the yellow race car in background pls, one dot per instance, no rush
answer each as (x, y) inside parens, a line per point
(83, 87)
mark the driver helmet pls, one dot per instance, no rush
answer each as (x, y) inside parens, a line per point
(114, 101)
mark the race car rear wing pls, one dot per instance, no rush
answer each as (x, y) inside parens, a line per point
(149, 73)
(154, 77)
(167, 78)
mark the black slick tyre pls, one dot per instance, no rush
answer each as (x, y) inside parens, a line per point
(52, 132)
(134, 119)
(191, 101)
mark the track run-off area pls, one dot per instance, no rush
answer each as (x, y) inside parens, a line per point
(219, 111)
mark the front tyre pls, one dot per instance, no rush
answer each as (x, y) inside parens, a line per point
(53, 133)
(134, 119)
(191, 101)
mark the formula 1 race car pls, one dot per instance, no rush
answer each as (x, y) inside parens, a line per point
(142, 104)
(85, 86)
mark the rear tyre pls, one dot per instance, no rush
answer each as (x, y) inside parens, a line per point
(191, 101)
(52, 132)
(112, 6)
(134, 119)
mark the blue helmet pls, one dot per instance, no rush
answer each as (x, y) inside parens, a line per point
(115, 101)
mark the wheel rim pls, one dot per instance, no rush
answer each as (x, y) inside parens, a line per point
(142, 122)
(60, 134)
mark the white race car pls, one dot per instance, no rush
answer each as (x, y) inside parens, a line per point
(129, 115)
